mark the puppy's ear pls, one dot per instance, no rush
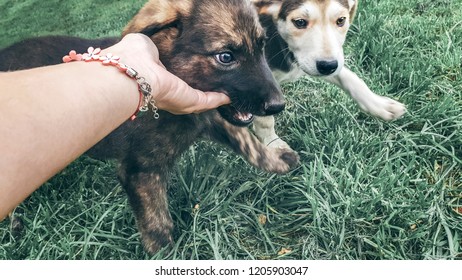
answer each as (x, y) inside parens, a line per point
(353, 4)
(157, 15)
(267, 7)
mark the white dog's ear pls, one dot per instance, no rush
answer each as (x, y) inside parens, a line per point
(267, 7)
(353, 4)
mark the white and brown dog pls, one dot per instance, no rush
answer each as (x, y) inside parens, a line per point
(307, 37)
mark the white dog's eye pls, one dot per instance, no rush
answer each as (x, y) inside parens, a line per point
(341, 21)
(300, 23)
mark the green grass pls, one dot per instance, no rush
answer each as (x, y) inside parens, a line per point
(366, 189)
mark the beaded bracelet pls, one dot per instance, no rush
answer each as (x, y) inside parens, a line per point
(144, 87)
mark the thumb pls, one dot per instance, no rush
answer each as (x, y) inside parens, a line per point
(202, 101)
(213, 100)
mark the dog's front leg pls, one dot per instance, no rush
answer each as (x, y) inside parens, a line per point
(147, 194)
(277, 160)
(376, 105)
(265, 132)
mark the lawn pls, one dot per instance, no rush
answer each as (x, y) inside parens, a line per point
(366, 189)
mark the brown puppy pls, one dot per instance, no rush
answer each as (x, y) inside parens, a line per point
(214, 45)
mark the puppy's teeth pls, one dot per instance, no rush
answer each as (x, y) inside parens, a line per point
(244, 116)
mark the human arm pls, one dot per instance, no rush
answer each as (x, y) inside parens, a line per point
(49, 116)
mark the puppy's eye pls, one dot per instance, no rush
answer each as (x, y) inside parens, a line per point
(225, 58)
(300, 23)
(341, 21)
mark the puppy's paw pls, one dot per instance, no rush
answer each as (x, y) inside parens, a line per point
(386, 108)
(283, 161)
(16, 225)
(156, 232)
(154, 241)
(277, 143)
(290, 157)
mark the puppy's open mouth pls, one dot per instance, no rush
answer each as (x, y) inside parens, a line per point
(235, 116)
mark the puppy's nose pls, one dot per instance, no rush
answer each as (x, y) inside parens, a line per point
(274, 107)
(326, 67)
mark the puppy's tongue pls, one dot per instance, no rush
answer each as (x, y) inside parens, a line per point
(245, 117)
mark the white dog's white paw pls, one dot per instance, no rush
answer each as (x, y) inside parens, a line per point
(277, 143)
(385, 108)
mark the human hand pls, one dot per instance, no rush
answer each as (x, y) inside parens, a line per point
(170, 92)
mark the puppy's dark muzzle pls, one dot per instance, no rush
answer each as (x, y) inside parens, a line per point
(273, 100)
(273, 108)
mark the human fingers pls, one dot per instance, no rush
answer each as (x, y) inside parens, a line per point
(212, 100)
(201, 101)
(177, 97)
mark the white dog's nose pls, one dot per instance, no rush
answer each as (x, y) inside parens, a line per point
(326, 67)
